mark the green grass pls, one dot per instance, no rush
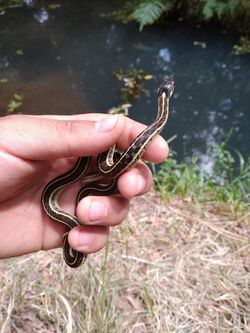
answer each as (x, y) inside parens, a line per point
(229, 181)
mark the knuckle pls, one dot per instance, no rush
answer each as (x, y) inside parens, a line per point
(65, 130)
(65, 127)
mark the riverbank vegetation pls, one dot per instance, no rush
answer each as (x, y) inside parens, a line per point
(9, 4)
(228, 181)
(233, 13)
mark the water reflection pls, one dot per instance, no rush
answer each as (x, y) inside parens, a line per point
(165, 55)
(225, 104)
(29, 3)
(68, 59)
(52, 93)
(42, 16)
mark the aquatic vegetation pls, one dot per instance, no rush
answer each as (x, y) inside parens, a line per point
(132, 89)
(133, 84)
(19, 52)
(3, 80)
(14, 104)
(203, 45)
(8, 4)
(243, 47)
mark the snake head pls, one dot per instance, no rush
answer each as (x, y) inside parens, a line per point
(166, 87)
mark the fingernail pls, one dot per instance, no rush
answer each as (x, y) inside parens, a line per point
(140, 184)
(106, 124)
(97, 211)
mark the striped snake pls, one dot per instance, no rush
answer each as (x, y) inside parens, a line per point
(110, 164)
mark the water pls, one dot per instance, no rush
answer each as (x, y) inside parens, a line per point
(62, 61)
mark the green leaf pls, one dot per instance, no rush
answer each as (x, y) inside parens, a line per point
(232, 5)
(209, 9)
(3, 80)
(15, 103)
(147, 12)
(19, 52)
(54, 6)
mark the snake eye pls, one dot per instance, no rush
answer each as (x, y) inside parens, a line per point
(166, 87)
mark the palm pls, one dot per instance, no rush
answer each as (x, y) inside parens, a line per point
(25, 222)
(40, 142)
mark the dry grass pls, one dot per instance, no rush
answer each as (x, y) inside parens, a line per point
(175, 267)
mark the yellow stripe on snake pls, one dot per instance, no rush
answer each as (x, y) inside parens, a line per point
(109, 165)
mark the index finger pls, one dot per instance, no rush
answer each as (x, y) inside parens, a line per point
(157, 150)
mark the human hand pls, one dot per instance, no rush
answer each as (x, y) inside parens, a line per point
(34, 150)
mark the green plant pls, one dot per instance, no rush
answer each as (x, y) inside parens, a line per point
(148, 12)
(229, 180)
(219, 8)
(144, 12)
(133, 84)
(15, 103)
(181, 179)
(235, 13)
(8, 4)
(19, 52)
(243, 47)
(3, 80)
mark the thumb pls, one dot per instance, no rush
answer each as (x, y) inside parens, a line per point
(39, 138)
